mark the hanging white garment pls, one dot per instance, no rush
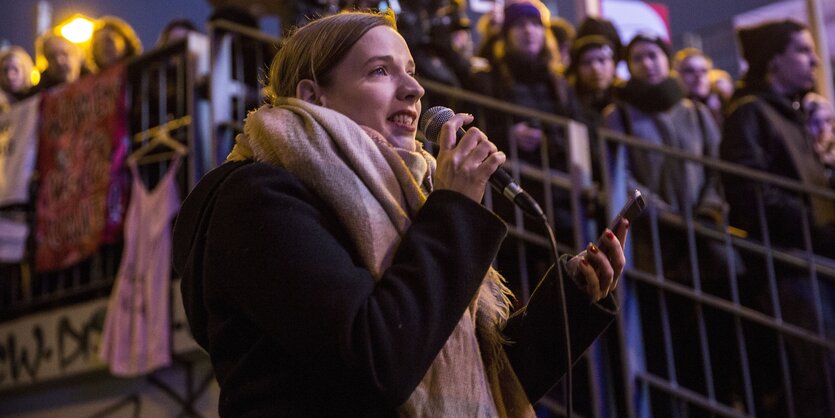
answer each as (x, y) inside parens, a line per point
(18, 148)
(137, 330)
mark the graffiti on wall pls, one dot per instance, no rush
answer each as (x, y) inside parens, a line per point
(51, 345)
(65, 342)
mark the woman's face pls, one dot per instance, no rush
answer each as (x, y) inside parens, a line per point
(648, 63)
(526, 37)
(693, 72)
(375, 86)
(13, 77)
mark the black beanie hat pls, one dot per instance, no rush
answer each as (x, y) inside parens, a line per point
(762, 42)
(605, 28)
(583, 44)
(651, 38)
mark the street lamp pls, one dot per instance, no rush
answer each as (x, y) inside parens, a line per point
(77, 30)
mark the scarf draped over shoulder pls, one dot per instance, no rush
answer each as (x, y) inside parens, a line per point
(375, 189)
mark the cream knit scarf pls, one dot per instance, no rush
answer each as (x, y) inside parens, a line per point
(375, 189)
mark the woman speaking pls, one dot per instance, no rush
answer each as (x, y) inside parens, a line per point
(332, 267)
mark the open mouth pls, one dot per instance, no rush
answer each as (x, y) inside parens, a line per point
(403, 119)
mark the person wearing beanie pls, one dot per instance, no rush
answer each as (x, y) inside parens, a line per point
(605, 28)
(765, 130)
(525, 71)
(652, 108)
(591, 73)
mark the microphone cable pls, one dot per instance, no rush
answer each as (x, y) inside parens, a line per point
(555, 254)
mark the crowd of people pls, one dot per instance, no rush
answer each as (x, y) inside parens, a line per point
(769, 120)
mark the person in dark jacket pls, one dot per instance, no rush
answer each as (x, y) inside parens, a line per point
(592, 74)
(525, 71)
(765, 130)
(333, 268)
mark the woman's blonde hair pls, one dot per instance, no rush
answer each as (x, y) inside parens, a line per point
(25, 62)
(313, 50)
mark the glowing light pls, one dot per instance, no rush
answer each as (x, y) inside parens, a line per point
(78, 30)
(35, 76)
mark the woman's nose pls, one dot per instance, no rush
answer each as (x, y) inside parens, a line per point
(411, 90)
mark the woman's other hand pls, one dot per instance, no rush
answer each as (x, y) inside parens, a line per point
(465, 165)
(597, 269)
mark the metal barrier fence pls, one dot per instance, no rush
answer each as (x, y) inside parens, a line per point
(240, 61)
(757, 323)
(746, 330)
(738, 345)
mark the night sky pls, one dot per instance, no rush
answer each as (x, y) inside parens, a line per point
(711, 19)
(17, 20)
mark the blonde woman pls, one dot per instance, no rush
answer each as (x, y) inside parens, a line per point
(16, 76)
(332, 267)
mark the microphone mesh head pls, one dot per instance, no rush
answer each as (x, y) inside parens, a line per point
(433, 120)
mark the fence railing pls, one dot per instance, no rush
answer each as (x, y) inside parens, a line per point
(694, 346)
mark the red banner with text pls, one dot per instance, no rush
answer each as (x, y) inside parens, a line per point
(83, 184)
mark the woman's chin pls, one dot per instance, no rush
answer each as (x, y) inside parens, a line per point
(401, 140)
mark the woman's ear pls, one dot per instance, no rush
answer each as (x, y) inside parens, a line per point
(309, 91)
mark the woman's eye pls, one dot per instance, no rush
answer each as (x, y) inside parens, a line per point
(379, 71)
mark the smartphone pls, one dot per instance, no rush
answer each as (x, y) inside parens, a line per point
(633, 207)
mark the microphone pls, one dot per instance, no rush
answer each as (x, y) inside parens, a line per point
(433, 120)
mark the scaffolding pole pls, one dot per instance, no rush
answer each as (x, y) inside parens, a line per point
(818, 29)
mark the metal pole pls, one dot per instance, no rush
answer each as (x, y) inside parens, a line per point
(818, 29)
(43, 17)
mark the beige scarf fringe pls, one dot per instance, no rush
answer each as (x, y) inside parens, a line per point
(375, 189)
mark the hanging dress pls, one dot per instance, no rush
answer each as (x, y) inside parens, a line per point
(137, 330)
